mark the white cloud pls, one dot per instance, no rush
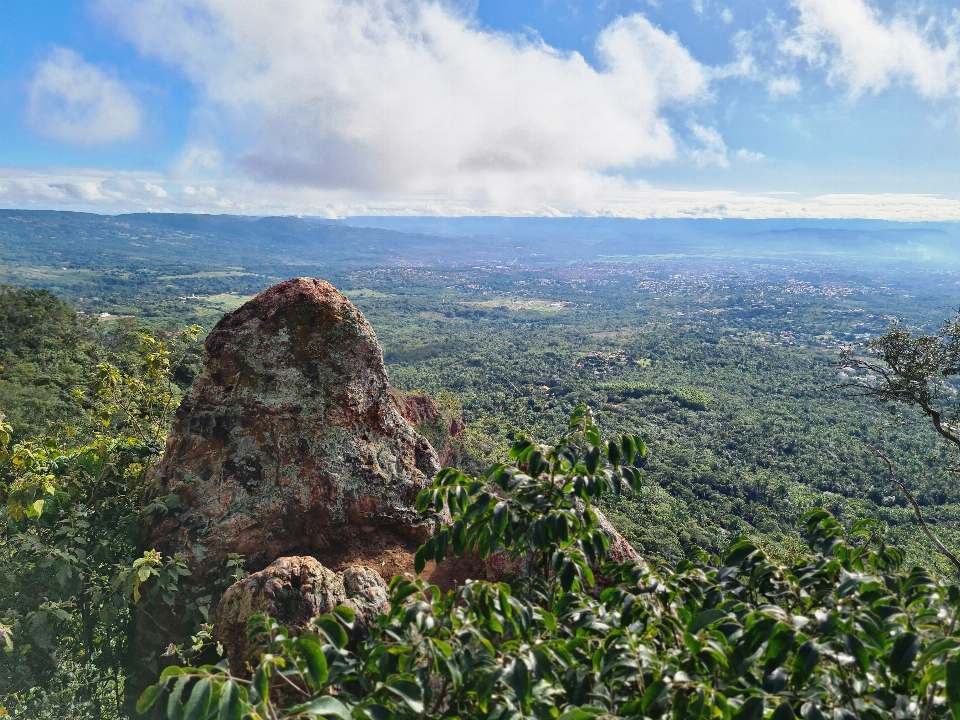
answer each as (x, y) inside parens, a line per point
(869, 52)
(712, 148)
(391, 96)
(782, 86)
(74, 101)
(750, 155)
(103, 191)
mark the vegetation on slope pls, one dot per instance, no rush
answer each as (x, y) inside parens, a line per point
(842, 631)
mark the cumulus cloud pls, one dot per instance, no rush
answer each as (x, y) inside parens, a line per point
(71, 100)
(711, 150)
(387, 96)
(869, 52)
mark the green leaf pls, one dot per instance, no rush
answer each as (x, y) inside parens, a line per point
(174, 707)
(326, 706)
(705, 618)
(784, 711)
(420, 560)
(518, 678)
(198, 705)
(581, 714)
(459, 537)
(500, 518)
(613, 452)
(333, 630)
(230, 706)
(377, 712)
(592, 459)
(408, 691)
(345, 614)
(953, 686)
(148, 698)
(752, 709)
(804, 662)
(739, 552)
(775, 681)
(856, 648)
(905, 649)
(567, 574)
(656, 694)
(315, 661)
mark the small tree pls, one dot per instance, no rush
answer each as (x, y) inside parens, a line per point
(914, 370)
(911, 370)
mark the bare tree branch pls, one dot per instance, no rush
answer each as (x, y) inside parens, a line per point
(916, 511)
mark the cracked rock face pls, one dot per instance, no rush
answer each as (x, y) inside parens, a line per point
(293, 591)
(290, 433)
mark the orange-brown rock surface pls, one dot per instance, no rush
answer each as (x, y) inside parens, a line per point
(293, 591)
(290, 444)
(290, 434)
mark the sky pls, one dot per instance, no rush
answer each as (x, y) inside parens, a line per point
(632, 108)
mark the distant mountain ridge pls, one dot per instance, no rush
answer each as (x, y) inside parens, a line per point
(95, 241)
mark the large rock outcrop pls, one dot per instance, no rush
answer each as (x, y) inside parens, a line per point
(290, 435)
(289, 444)
(293, 451)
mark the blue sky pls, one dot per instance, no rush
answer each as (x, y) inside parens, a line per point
(805, 108)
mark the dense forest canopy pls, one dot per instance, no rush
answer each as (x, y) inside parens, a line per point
(729, 368)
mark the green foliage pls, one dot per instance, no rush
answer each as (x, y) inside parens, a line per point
(69, 531)
(44, 353)
(842, 632)
(914, 370)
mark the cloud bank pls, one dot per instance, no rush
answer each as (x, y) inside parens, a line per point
(113, 192)
(73, 101)
(411, 97)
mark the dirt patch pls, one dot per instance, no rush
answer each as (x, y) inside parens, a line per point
(391, 553)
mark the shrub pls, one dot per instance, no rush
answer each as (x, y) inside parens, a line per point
(842, 632)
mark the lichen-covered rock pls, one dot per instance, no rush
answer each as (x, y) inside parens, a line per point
(440, 423)
(367, 594)
(290, 433)
(290, 443)
(293, 591)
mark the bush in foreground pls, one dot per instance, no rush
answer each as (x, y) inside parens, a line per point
(842, 632)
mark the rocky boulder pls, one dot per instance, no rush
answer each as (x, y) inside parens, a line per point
(290, 434)
(293, 591)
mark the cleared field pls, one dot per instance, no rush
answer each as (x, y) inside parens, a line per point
(521, 304)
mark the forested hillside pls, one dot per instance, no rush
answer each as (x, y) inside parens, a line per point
(728, 368)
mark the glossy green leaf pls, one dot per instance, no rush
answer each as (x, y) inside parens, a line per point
(230, 706)
(784, 711)
(752, 709)
(148, 698)
(408, 691)
(198, 704)
(326, 706)
(332, 629)
(315, 661)
(174, 706)
(804, 663)
(905, 649)
(705, 619)
(953, 686)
